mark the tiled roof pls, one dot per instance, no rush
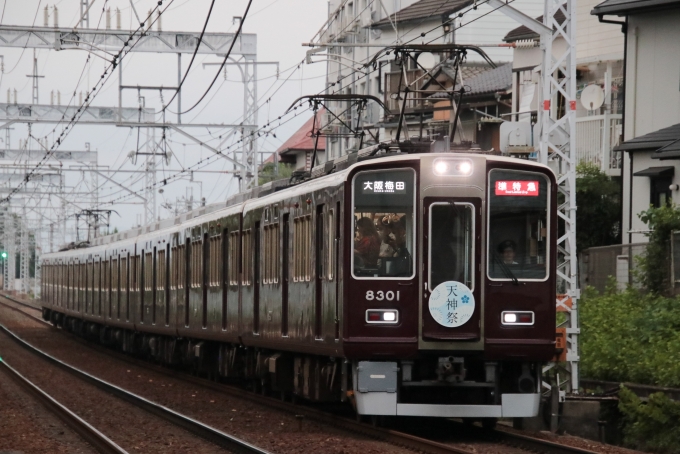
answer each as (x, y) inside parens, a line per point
(527, 33)
(425, 9)
(468, 70)
(490, 81)
(624, 7)
(302, 140)
(652, 141)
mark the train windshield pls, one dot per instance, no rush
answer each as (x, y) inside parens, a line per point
(518, 225)
(384, 230)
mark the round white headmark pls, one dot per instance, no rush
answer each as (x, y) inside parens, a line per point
(451, 304)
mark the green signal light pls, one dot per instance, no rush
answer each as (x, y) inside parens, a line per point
(4, 255)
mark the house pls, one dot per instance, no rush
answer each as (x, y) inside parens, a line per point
(599, 60)
(651, 117)
(298, 150)
(357, 29)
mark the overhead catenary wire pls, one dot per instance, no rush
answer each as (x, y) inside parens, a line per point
(89, 98)
(231, 47)
(206, 161)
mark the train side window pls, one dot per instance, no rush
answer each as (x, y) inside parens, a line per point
(196, 262)
(302, 241)
(271, 254)
(181, 266)
(384, 227)
(233, 258)
(215, 264)
(148, 271)
(123, 283)
(160, 270)
(330, 249)
(246, 259)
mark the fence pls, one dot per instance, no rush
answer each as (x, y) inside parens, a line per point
(595, 140)
(597, 264)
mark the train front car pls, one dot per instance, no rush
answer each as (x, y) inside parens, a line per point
(450, 294)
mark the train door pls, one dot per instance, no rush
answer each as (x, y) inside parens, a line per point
(452, 301)
(318, 279)
(205, 267)
(334, 250)
(285, 273)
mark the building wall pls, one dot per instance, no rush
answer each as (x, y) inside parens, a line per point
(653, 73)
(652, 102)
(492, 28)
(596, 41)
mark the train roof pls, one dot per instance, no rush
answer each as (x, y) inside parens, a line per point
(321, 176)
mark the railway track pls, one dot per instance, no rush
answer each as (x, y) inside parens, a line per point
(98, 440)
(399, 438)
(191, 425)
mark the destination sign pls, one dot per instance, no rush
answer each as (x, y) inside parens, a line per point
(517, 188)
(383, 187)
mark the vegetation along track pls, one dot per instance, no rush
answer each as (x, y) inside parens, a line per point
(194, 427)
(502, 439)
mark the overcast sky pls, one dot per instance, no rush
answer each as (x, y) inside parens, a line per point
(281, 26)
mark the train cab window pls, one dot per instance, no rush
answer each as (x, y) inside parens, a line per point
(518, 225)
(451, 244)
(384, 229)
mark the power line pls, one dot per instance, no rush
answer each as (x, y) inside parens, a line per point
(233, 42)
(193, 57)
(90, 97)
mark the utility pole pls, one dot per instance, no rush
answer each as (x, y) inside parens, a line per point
(35, 77)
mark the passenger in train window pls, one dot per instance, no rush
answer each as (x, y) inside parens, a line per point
(366, 243)
(507, 250)
(386, 237)
(401, 267)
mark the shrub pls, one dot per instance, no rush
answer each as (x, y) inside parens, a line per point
(630, 336)
(654, 263)
(652, 425)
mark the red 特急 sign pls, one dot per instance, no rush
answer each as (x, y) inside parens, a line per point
(520, 188)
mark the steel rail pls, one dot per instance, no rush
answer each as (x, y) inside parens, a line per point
(193, 426)
(98, 440)
(390, 436)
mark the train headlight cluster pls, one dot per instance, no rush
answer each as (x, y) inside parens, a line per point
(452, 167)
(389, 316)
(517, 318)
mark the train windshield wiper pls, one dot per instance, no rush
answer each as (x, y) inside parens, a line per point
(507, 271)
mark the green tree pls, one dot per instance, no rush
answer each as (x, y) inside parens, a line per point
(654, 263)
(268, 172)
(599, 208)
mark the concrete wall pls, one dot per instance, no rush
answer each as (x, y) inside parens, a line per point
(652, 101)
(596, 41)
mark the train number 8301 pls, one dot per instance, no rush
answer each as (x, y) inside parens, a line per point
(382, 296)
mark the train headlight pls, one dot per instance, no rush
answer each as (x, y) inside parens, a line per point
(388, 316)
(452, 167)
(517, 318)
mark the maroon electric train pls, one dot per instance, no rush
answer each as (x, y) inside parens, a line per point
(407, 284)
